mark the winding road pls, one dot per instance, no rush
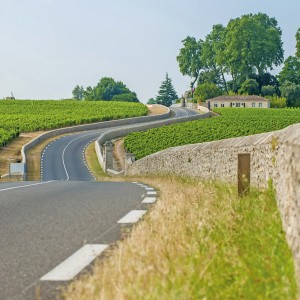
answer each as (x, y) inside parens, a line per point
(51, 230)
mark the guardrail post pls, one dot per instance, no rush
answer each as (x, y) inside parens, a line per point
(243, 174)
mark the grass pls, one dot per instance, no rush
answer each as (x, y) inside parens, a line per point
(92, 162)
(199, 241)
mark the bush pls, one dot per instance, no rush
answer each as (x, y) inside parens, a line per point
(207, 91)
(249, 87)
(277, 102)
(268, 90)
(291, 92)
(130, 97)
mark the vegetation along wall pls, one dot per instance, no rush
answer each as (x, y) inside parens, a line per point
(275, 156)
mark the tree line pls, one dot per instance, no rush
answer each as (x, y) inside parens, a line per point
(107, 89)
(237, 59)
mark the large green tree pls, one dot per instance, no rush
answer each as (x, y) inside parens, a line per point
(290, 71)
(291, 92)
(249, 87)
(166, 93)
(298, 43)
(253, 45)
(108, 89)
(206, 91)
(213, 57)
(189, 59)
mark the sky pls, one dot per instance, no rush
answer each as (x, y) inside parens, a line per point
(47, 47)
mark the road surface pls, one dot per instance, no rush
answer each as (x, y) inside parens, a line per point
(42, 224)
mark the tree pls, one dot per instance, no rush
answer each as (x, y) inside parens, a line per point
(213, 57)
(189, 59)
(253, 45)
(129, 97)
(277, 102)
(290, 71)
(249, 87)
(78, 92)
(266, 79)
(108, 89)
(207, 91)
(291, 92)
(268, 90)
(166, 93)
(151, 101)
(298, 43)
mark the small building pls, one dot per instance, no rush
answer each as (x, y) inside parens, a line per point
(238, 101)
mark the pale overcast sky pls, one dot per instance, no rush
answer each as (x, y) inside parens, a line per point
(49, 46)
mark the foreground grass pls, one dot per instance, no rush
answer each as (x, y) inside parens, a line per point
(199, 241)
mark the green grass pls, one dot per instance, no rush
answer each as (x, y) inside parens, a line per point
(233, 123)
(199, 241)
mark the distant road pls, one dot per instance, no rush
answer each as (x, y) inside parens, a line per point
(63, 159)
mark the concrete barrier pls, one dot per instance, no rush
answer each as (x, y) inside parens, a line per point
(93, 126)
(116, 133)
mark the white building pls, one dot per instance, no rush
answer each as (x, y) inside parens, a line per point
(238, 101)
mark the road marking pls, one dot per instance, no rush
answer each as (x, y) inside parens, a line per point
(23, 186)
(149, 189)
(70, 267)
(63, 153)
(149, 200)
(132, 217)
(151, 193)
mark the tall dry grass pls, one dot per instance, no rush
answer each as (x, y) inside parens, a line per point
(199, 241)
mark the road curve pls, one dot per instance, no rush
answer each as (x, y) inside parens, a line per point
(43, 223)
(63, 159)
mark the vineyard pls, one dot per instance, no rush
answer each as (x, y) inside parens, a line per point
(232, 123)
(18, 116)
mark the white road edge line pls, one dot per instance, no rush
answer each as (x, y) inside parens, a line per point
(132, 217)
(63, 154)
(149, 200)
(151, 193)
(70, 267)
(23, 186)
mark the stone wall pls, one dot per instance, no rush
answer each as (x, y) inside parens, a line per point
(274, 155)
(120, 132)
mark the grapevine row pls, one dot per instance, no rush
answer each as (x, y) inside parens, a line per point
(232, 123)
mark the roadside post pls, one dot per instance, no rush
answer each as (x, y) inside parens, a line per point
(243, 174)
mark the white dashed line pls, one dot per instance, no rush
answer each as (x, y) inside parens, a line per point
(149, 189)
(149, 200)
(132, 217)
(151, 193)
(69, 268)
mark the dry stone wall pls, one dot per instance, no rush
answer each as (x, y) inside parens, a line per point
(274, 156)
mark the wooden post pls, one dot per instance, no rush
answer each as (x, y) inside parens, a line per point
(243, 174)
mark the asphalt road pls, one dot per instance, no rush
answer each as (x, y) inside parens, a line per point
(63, 159)
(43, 223)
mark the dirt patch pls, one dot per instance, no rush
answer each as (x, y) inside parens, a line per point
(12, 152)
(119, 154)
(156, 110)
